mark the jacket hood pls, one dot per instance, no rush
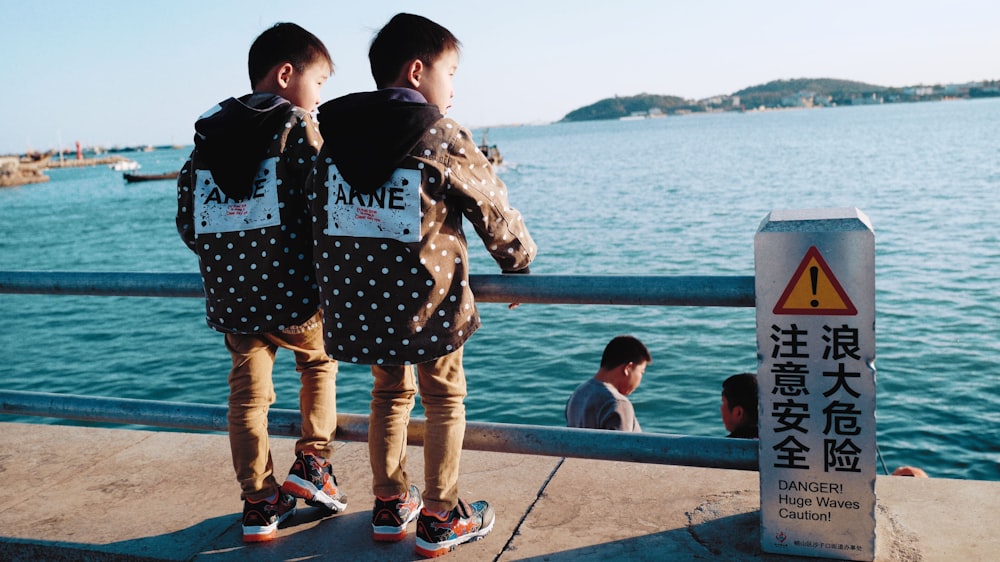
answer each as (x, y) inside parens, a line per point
(368, 134)
(234, 136)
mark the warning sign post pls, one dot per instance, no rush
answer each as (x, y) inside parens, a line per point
(815, 298)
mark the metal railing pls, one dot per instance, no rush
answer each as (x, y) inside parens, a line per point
(647, 290)
(713, 452)
(652, 448)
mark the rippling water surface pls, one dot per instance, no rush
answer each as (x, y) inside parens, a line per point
(671, 196)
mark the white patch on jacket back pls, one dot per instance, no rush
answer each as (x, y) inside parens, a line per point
(392, 211)
(215, 212)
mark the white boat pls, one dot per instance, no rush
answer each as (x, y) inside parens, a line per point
(124, 165)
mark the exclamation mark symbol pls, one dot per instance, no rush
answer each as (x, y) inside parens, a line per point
(814, 277)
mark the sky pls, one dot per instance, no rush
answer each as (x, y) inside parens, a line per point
(115, 73)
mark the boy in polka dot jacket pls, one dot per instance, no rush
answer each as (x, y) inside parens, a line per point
(243, 210)
(390, 190)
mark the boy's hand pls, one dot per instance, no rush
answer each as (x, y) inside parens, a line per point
(518, 272)
(526, 270)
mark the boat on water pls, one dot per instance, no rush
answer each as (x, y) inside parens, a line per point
(124, 165)
(132, 178)
(490, 151)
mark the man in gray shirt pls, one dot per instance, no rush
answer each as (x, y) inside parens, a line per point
(602, 401)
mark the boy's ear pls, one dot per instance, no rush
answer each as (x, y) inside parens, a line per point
(284, 74)
(414, 72)
(738, 412)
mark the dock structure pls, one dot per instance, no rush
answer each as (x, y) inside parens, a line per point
(16, 171)
(86, 493)
(86, 162)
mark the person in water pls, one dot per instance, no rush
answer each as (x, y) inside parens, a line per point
(739, 406)
(602, 401)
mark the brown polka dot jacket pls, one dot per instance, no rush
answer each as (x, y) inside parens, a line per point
(389, 193)
(242, 209)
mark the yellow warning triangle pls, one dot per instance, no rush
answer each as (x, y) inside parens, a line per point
(814, 290)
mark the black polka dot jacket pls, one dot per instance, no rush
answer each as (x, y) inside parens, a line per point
(241, 207)
(389, 193)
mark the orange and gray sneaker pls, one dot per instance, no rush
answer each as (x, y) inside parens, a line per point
(311, 478)
(466, 523)
(390, 516)
(261, 518)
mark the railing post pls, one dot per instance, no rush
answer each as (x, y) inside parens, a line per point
(815, 291)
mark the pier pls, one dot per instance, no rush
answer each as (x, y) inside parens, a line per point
(85, 493)
(16, 171)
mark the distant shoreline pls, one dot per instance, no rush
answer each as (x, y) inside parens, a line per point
(802, 93)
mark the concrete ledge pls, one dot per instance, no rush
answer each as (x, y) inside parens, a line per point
(75, 493)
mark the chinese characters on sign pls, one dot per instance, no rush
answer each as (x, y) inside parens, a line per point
(840, 414)
(816, 343)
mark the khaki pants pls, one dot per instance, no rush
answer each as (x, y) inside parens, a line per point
(251, 393)
(442, 393)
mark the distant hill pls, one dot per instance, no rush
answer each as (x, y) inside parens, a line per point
(618, 107)
(798, 92)
(828, 86)
(772, 93)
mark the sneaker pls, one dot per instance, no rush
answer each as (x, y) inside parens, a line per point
(465, 523)
(390, 517)
(311, 478)
(261, 518)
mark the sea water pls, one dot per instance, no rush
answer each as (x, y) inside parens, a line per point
(668, 196)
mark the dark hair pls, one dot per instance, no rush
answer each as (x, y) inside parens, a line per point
(622, 350)
(405, 38)
(284, 42)
(741, 390)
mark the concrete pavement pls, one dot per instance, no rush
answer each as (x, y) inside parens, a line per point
(75, 493)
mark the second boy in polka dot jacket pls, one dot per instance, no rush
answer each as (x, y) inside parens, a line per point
(391, 187)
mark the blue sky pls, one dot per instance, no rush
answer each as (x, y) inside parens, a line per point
(115, 73)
